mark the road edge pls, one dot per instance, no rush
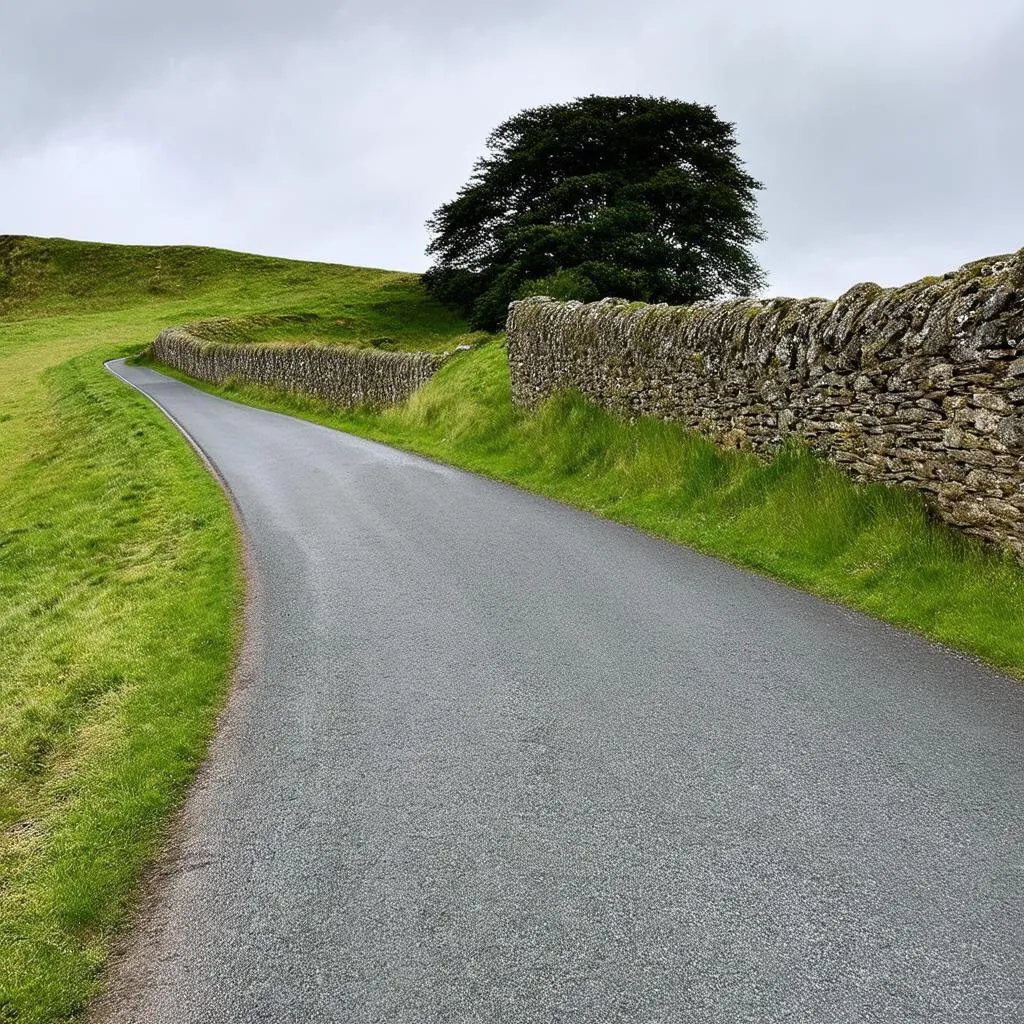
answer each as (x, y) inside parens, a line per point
(115, 993)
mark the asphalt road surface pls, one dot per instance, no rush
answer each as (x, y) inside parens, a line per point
(495, 760)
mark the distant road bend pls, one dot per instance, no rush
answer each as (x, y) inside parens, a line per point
(501, 761)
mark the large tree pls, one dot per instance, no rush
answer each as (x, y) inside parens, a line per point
(633, 196)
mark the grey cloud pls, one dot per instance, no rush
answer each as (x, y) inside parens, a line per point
(60, 59)
(884, 133)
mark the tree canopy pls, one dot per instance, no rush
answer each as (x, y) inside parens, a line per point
(637, 197)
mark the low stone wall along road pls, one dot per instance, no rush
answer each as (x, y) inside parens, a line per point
(495, 760)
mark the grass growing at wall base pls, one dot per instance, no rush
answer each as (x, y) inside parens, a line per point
(795, 518)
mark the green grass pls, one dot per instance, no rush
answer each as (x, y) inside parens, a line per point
(795, 518)
(118, 601)
(119, 577)
(314, 329)
(262, 299)
(119, 563)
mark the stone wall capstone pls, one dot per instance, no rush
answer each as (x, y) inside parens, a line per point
(920, 386)
(346, 377)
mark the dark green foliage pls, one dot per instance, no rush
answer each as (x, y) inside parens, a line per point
(563, 284)
(638, 197)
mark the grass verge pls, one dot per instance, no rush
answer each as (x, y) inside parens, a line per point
(119, 587)
(795, 518)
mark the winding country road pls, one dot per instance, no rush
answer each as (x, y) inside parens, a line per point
(496, 760)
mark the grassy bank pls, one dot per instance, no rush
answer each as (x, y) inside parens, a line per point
(260, 298)
(118, 603)
(796, 519)
(119, 585)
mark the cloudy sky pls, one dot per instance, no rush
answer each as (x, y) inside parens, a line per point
(888, 133)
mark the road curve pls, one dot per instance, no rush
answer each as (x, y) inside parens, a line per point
(501, 761)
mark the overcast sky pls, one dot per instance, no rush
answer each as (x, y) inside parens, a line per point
(889, 134)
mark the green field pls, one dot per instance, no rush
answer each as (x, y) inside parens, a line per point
(120, 591)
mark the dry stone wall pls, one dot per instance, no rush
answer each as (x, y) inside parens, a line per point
(921, 386)
(345, 377)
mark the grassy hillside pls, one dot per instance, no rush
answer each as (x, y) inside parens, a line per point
(272, 298)
(119, 564)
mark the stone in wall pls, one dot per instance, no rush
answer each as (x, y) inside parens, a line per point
(345, 377)
(920, 386)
